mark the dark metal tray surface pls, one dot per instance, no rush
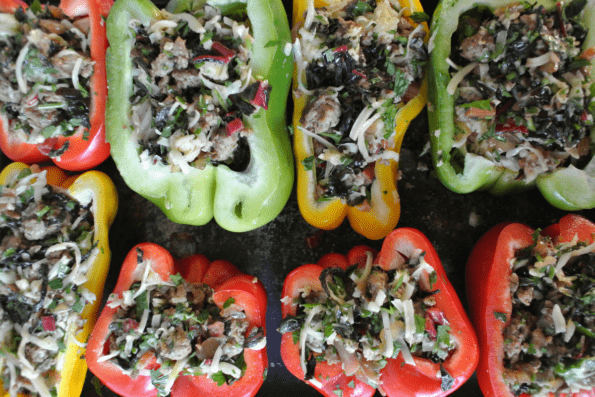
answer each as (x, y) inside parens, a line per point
(452, 222)
(274, 250)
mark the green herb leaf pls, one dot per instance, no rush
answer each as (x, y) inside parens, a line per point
(25, 172)
(159, 380)
(500, 316)
(483, 105)
(443, 335)
(333, 136)
(308, 162)
(219, 378)
(419, 17)
(401, 83)
(9, 252)
(579, 63)
(361, 8)
(55, 283)
(61, 345)
(177, 279)
(228, 303)
(48, 131)
(420, 324)
(78, 306)
(433, 279)
(42, 212)
(141, 304)
(35, 7)
(97, 385)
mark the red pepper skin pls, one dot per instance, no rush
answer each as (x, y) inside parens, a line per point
(227, 281)
(487, 279)
(331, 376)
(398, 379)
(81, 154)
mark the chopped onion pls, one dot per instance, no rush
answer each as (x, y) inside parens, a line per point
(40, 386)
(75, 72)
(317, 137)
(177, 368)
(348, 360)
(405, 352)
(193, 23)
(458, 77)
(452, 64)
(108, 356)
(304, 334)
(309, 14)
(540, 60)
(22, 82)
(559, 322)
(570, 328)
(388, 336)
(409, 316)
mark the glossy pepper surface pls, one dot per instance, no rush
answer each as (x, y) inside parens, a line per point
(97, 187)
(568, 188)
(488, 290)
(227, 282)
(239, 201)
(375, 222)
(398, 378)
(86, 151)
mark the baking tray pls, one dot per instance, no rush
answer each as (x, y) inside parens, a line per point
(451, 221)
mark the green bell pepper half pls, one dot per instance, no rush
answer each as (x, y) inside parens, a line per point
(567, 188)
(239, 201)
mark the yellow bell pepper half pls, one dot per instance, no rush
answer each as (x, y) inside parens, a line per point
(97, 187)
(381, 219)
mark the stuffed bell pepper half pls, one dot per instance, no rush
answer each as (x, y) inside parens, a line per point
(512, 98)
(196, 111)
(53, 83)
(359, 81)
(393, 322)
(187, 327)
(54, 258)
(532, 295)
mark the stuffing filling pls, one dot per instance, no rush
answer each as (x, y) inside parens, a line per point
(46, 251)
(193, 89)
(362, 61)
(45, 72)
(549, 344)
(166, 329)
(364, 316)
(525, 98)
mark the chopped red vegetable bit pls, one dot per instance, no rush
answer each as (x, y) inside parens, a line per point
(234, 126)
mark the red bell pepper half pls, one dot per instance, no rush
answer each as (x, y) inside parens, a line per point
(84, 152)
(398, 378)
(488, 291)
(227, 282)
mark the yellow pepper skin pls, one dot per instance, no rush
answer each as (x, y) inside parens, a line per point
(96, 186)
(381, 219)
